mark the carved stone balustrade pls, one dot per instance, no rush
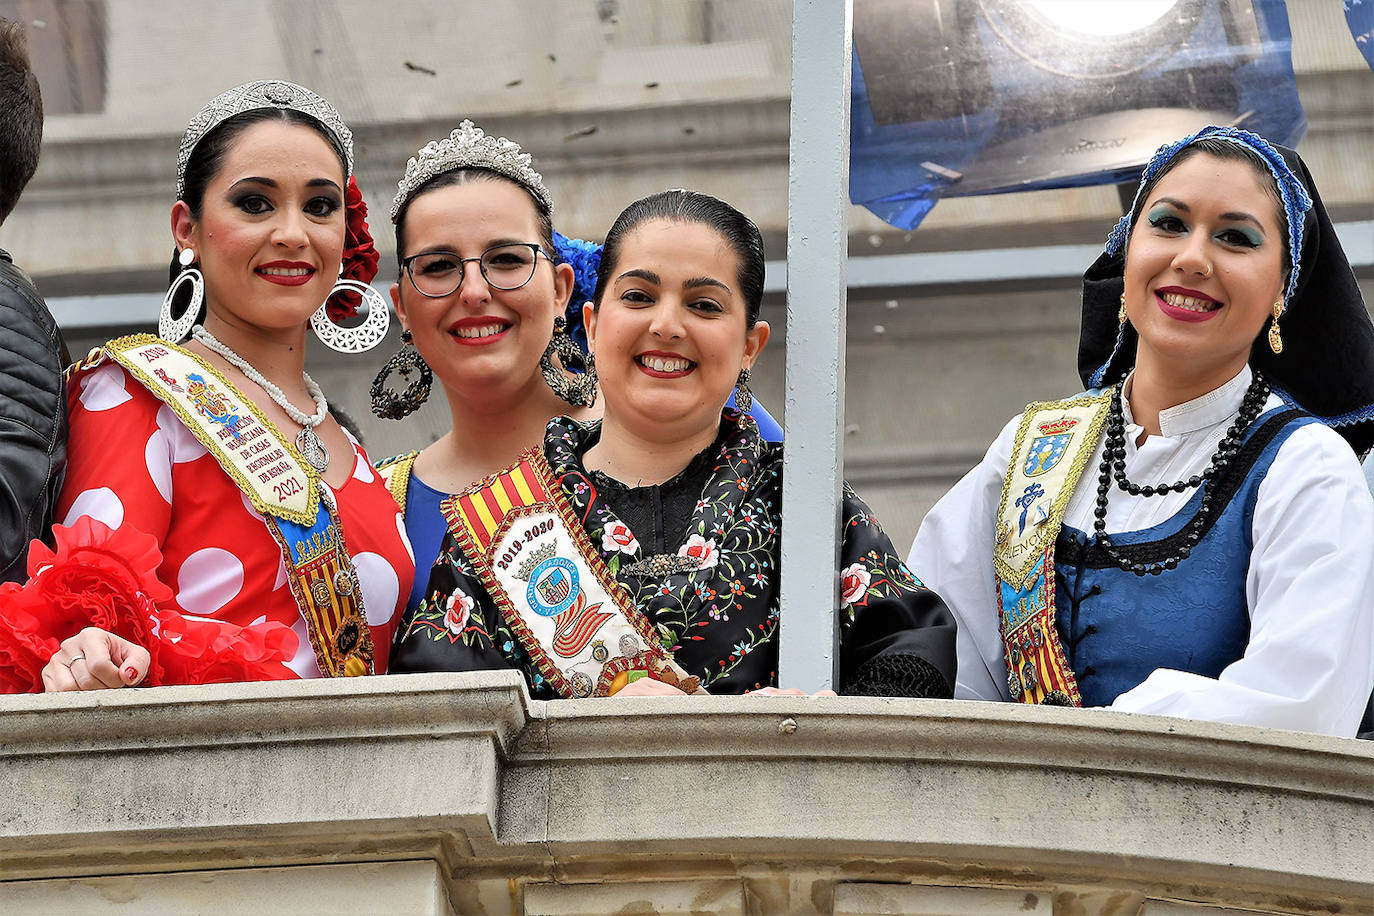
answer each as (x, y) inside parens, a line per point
(440, 794)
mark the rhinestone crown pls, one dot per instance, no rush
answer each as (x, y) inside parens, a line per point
(469, 147)
(251, 97)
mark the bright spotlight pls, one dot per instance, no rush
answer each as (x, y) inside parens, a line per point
(1101, 18)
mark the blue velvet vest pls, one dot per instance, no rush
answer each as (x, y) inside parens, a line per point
(1117, 627)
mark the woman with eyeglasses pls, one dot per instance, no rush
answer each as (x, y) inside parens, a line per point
(1193, 537)
(639, 555)
(482, 298)
(490, 298)
(246, 525)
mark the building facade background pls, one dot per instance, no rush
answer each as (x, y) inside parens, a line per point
(952, 328)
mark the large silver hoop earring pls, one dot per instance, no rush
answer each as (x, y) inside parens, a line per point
(579, 390)
(174, 330)
(366, 335)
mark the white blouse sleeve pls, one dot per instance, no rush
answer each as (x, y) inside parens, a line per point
(953, 555)
(1309, 664)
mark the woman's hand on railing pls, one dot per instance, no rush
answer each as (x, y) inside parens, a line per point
(95, 660)
(648, 687)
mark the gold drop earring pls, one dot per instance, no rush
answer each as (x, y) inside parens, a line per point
(1275, 339)
(1121, 315)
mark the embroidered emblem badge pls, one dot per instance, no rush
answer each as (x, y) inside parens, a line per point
(1047, 448)
(553, 587)
(212, 405)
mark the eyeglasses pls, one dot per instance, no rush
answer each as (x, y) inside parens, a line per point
(437, 274)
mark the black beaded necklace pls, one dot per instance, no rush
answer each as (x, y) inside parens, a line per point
(1114, 467)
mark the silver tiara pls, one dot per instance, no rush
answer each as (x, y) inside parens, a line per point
(469, 147)
(252, 97)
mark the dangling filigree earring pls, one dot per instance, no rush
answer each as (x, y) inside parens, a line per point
(353, 340)
(1121, 315)
(390, 405)
(744, 398)
(1275, 339)
(580, 389)
(174, 330)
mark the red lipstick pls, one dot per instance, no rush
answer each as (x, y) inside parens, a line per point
(1182, 313)
(301, 272)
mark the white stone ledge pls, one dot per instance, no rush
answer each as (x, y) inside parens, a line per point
(529, 804)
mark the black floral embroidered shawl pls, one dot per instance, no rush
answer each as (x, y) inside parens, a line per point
(720, 621)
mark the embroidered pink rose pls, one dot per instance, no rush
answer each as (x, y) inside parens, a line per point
(457, 611)
(853, 583)
(701, 549)
(618, 536)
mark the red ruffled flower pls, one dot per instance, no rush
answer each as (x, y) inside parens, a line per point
(107, 578)
(360, 258)
(199, 651)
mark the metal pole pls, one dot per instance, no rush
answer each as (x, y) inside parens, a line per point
(817, 247)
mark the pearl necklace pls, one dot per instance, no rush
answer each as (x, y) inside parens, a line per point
(307, 442)
(1113, 468)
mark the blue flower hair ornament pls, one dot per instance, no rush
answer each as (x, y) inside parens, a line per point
(585, 259)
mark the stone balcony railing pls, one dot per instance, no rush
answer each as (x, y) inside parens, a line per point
(440, 794)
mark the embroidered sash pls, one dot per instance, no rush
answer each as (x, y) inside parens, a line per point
(532, 554)
(297, 506)
(1053, 445)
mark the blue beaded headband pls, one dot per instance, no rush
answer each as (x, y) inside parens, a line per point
(1296, 200)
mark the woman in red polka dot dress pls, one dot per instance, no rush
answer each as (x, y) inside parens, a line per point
(267, 513)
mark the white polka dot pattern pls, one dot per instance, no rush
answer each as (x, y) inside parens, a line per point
(405, 538)
(100, 503)
(208, 580)
(157, 456)
(184, 444)
(304, 662)
(381, 588)
(103, 388)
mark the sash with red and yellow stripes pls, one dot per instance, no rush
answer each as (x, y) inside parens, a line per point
(575, 620)
(1053, 445)
(296, 505)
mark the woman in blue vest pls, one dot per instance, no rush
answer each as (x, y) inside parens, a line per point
(1193, 536)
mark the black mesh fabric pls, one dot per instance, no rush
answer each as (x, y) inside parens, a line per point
(898, 675)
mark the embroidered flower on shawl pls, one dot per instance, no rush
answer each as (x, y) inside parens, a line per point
(457, 611)
(853, 583)
(702, 549)
(618, 536)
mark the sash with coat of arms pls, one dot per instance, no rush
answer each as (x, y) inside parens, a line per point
(578, 624)
(1053, 446)
(295, 503)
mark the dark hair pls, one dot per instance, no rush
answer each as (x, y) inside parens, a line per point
(208, 158)
(21, 116)
(1236, 152)
(679, 206)
(472, 176)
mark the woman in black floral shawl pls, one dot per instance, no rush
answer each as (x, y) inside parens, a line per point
(680, 498)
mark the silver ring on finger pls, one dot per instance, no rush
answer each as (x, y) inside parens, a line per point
(74, 659)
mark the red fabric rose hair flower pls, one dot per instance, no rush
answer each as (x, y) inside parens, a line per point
(360, 258)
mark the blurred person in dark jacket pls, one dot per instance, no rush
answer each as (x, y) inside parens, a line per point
(33, 426)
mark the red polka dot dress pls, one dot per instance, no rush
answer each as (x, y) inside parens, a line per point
(130, 461)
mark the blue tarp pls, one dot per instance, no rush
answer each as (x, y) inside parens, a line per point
(963, 97)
